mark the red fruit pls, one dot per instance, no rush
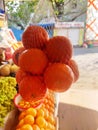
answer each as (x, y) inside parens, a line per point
(58, 77)
(59, 49)
(33, 61)
(32, 88)
(34, 37)
(74, 66)
(16, 54)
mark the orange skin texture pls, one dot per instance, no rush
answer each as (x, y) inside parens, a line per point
(74, 66)
(16, 55)
(59, 49)
(33, 61)
(58, 77)
(32, 88)
(34, 37)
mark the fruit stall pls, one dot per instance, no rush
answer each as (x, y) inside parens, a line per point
(38, 68)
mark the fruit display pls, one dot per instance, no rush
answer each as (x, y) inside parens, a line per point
(45, 62)
(41, 118)
(7, 93)
(45, 66)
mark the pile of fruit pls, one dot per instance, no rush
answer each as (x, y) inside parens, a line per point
(39, 118)
(45, 64)
(8, 69)
(7, 93)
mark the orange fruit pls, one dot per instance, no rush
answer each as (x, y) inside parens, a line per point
(20, 74)
(42, 129)
(16, 54)
(40, 121)
(51, 119)
(26, 127)
(33, 60)
(32, 88)
(59, 49)
(40, 112)
(58, 77)
(35, 37)
(31, 111)
(22, 115)
(50, 126)
(46, 114)
(20, 124)
(74, 66)
(35, 127)
(29, 119)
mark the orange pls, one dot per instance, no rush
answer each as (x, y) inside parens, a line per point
(42, 129)
(74, 66)
(26, 127)
(20, 74)
(40, 121)
(16, 54)
(50, 126)
(22, 115)
(35, 127)
(33, 60)
(35, 93)
(58, 77)
(51, 119)
(20, 124)
(40, 112)
(46, 124)
(35, 37)
(46, 113)
(59, 49)
(29, 119)
(31, 111)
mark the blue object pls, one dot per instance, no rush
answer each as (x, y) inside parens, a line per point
(2, 11)
(17, 33)
(48, 26)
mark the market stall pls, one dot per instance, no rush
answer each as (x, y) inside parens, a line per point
(37, 80)
(32, 73)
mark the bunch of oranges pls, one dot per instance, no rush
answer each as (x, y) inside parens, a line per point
(45, 63)
(40, 118)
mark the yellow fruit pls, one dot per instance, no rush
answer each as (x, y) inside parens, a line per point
(29, 119)
(40, 121)
(31, 111)
(5, 70)
(42, 129)
(51, 119)
(40, 112)
(14, 68)
(26, 127)
(35, 127)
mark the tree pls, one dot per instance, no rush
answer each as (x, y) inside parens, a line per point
(19, 13)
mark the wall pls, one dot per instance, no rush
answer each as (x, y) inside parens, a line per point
(73, 30)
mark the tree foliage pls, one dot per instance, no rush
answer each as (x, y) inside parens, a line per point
(19, 13)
